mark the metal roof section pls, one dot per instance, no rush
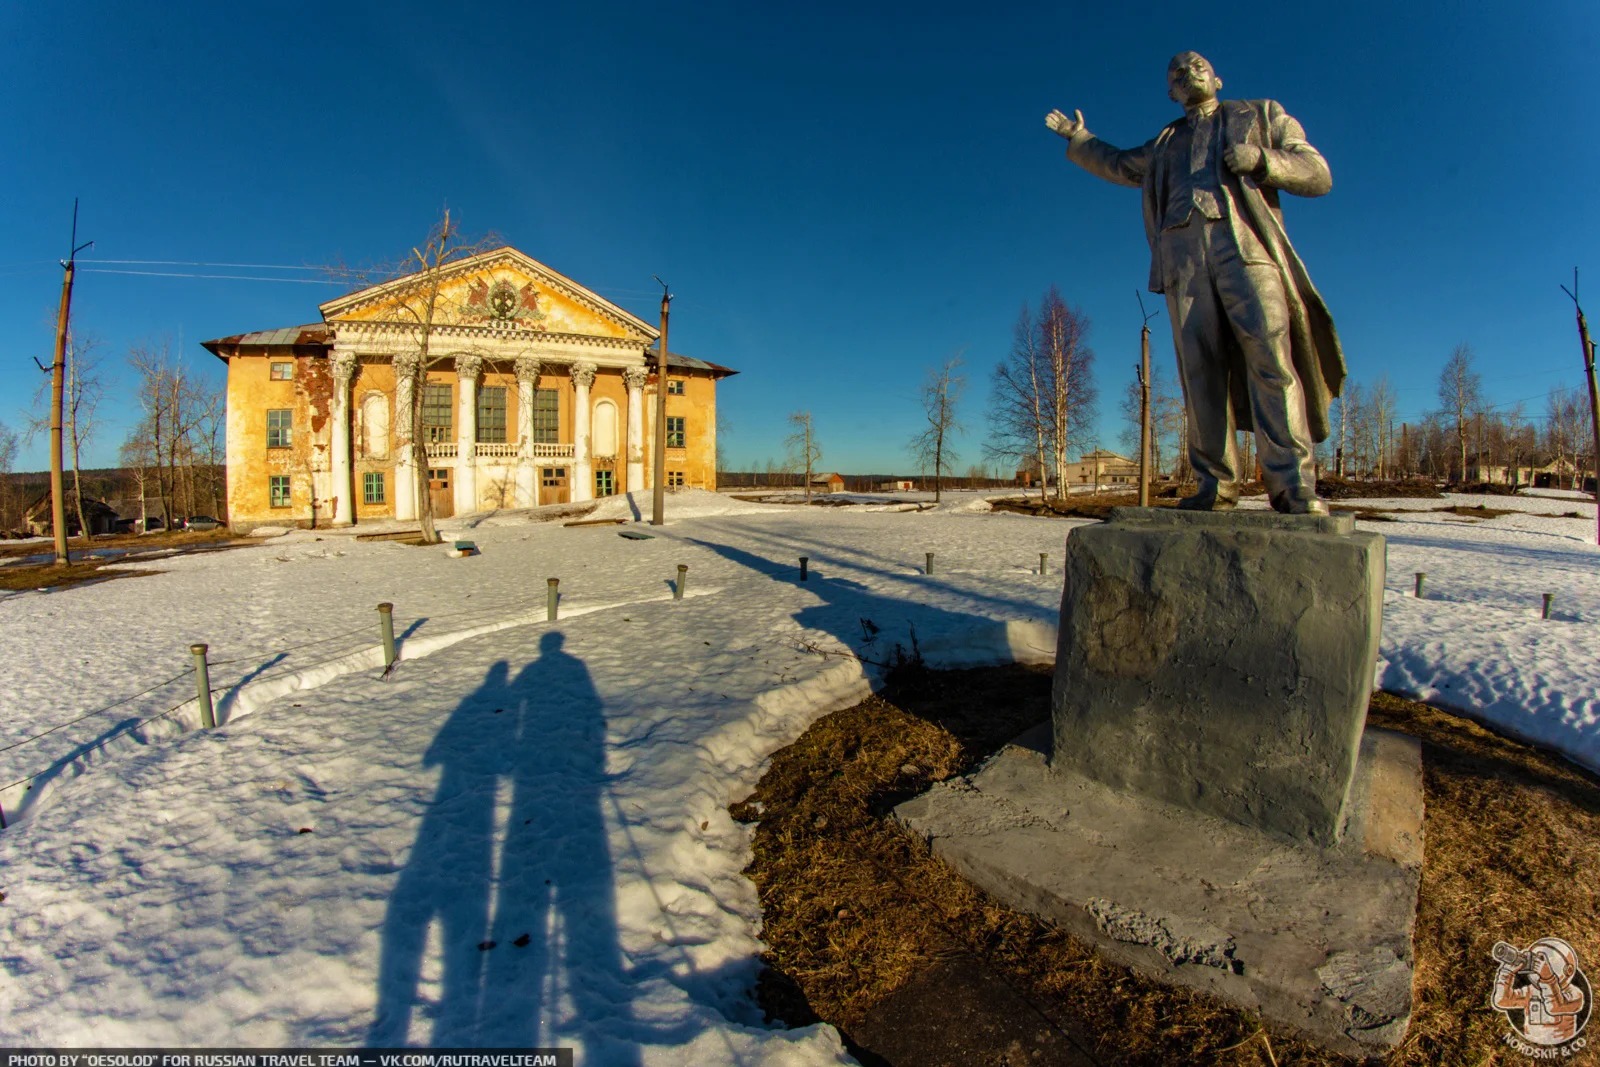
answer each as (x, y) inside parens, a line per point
(314, 333)
(682, 362)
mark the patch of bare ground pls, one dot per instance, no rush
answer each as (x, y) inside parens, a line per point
(868, 930)
(88, 566)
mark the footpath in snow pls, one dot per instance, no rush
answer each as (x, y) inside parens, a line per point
(519, 837)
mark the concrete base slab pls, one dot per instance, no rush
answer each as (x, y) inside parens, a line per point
(1316, 939)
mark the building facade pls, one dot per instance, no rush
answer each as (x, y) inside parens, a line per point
(535, 391)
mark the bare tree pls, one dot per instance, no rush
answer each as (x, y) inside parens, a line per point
(138, 458)
(1043, 392)
(804, 452)
(1564, 427)
(941, 392)
(420, 310)
(175, 407)
(80, 397)
(1018, 403)
(1380, 414)
(10, 507)
(1063, 339)
(1460, 396)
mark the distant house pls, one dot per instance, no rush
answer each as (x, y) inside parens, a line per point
(1102, 469)
(831, 482)
(901, 485)
(101, 517)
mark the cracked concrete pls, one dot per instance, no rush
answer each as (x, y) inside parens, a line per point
(1316, 939)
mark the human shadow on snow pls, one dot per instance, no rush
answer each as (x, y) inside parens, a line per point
(511, 864)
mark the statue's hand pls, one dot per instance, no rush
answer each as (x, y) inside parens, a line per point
(1243, 158)
(1063, 126)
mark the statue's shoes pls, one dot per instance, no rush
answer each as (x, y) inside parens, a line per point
(1207, 502)
(1299, 505)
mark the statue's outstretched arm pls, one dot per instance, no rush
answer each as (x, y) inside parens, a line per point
(1118, 165)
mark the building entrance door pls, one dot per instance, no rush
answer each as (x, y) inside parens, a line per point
(439, 494)
(553, 488)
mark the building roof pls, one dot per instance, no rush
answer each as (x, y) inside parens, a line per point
(682, 362)
(315, 333)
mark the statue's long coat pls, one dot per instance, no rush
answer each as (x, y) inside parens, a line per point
(1291, 164)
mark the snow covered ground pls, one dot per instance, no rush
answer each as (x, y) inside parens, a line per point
(518, 836)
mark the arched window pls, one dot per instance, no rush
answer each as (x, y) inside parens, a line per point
(375, 426)
(604, 431)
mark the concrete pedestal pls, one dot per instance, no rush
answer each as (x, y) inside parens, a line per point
(1220, 661)
(1315, 939)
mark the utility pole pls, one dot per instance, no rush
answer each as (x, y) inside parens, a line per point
(1594, 391)
(1144, 404)
(58, 503)
(658, 502)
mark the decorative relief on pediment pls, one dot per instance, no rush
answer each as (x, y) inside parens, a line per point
(502, 302)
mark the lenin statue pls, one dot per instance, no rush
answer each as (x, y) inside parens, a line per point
(1256, 345)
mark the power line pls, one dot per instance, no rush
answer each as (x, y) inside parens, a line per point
(236, 266)
(221, 277)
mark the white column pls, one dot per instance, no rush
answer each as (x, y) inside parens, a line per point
(344, 369)
(468, 368)
(405, 462)
(582, 468)
(527, 473)
(634, 378)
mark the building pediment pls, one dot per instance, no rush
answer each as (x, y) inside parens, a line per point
(500, 291)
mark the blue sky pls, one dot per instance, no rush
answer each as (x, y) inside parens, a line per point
(840, 199)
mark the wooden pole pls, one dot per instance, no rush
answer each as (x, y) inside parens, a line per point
(58, 503)
(1594, 392)
(658, 501)
(1144, 405)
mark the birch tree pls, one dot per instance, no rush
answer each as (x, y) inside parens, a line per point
(804, 452)
(1043, 393)
(940, 394)
(1460, 396)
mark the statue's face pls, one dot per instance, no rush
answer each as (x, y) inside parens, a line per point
(1190, 79)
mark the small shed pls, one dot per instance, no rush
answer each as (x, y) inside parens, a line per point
(831, 482)
(101, 517)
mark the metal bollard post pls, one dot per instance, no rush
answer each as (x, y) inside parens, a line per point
(683, 580)
(803, 560)
(202, 685)
(552, 597)
(929, 568)
(1420, 576)
(386, 628)
(1547, 598)
(1042, 557)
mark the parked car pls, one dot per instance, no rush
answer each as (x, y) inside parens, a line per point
(201, 522)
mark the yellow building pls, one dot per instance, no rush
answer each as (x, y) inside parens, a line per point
(538, 391)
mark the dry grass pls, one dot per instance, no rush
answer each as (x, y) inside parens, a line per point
(855, 910)
(46, 575)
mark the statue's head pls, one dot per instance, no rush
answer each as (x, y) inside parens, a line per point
(1191, 80)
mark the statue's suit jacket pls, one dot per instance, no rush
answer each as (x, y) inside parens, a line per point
(1290, 164)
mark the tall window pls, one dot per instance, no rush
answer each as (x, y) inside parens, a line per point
(436, 421)
(675, 431)
(492, 413)
(674, 386)
(278, 490)
(281, 372)
(372, 487)
(280, 423)
(603, 483)
(546, 416)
